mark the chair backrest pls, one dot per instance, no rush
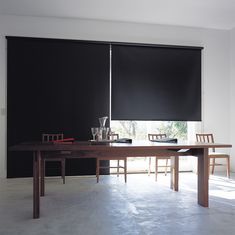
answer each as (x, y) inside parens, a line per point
(52, 137)
(113, 136)
(205, 138)
(156, 136)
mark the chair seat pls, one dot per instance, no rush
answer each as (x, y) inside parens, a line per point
(218, 155)
(58, 155)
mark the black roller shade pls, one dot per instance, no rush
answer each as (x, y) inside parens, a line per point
(156, 83)
(54, 86)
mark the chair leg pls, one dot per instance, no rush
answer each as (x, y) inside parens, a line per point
(149, 166)
(42, 177)
(63, 170)
(156, 169)
(118, 165)
(213, 166)
(125, 169)
(97, 170)
(228, 167)
(166, 167)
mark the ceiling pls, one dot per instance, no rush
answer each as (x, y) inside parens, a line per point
(219, 14)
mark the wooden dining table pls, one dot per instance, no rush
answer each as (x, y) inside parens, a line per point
(89, 149)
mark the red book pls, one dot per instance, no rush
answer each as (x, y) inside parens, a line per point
(66, 140)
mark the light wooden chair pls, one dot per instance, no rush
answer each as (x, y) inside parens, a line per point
(156, 137)
(59, 157)
(99, 159)
(208, 138)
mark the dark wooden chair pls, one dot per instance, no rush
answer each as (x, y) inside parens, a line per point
(99, 159)
(58, 157)
(155, 137)
(208, 138)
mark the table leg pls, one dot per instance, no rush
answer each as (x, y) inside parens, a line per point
(175, 173)
(36, 185)
(203, 189)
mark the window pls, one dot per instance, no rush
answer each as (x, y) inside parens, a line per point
(139, 130)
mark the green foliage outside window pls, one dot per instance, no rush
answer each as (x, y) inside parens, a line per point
(174, 129)
(140, 129)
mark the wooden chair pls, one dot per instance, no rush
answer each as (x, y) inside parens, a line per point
(99, 159)
(155, 137)
(60, 157)
(208, 138)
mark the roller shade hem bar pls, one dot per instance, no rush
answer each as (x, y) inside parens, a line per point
(182, 120)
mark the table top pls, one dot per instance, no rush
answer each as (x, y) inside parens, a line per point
(89, 145)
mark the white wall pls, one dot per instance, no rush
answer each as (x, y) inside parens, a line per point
(216, 70)
(232, 90)
(2, 107)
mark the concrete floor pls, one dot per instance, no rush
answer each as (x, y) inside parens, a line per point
(142, 206)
